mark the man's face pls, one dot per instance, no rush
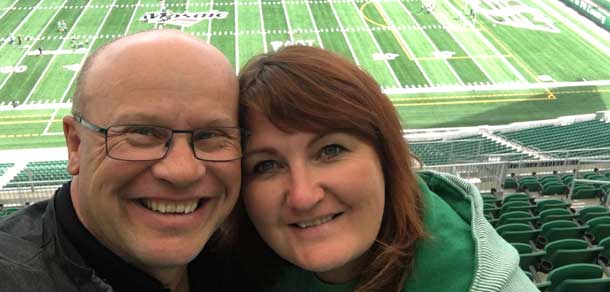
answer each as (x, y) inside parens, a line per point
(170, 84)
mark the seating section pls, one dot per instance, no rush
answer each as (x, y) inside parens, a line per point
(561, 184)
(41, 173)
(468, 149)
(560, 247)
(4, 212)
(576, 138)
(4, 167)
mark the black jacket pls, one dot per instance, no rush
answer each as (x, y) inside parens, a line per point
(35, 255)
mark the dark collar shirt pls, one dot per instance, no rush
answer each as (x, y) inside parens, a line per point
(206, 273)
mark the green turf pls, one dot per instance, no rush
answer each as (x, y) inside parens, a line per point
(443, 69)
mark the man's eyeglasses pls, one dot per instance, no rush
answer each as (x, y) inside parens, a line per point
(146, 142)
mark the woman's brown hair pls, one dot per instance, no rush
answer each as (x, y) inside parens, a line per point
(300, 88)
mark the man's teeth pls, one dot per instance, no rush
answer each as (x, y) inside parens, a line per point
(171, 206)
(315, 222)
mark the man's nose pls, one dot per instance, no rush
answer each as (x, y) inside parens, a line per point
(179, 166)
(304, 189)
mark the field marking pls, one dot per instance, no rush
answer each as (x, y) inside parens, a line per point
(447, 18)
(401, 42)
(470, 102)
(75, 75)
(24, 116)
(315, 25)
(487, 43)
(209, 38)
(496, 87)
(204, 4)
(186, 7)
(431, 43)
(236, 28)
(6, 10)
(260, 13)
(592, 40)
(131, 19)
(24, 20)
(254, 32)
(347, 41)
(24, 55)
(49, 64)
(27, 122)
(379, 50)
(287, 18)
(550, 94)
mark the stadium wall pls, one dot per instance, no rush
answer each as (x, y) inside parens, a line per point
(592, 11)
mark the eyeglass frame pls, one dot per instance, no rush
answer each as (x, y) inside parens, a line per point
(244, 134)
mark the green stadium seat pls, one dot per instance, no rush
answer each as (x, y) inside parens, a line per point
(599, 228)
(550, 204)
(575, 278)
(604, 255)
(516, 217)
(528, 257)
(517, 232)
(516, 206)
(509, 183)
(568, 251)
(590, 212)
(556, 214)
(517, 197)
(560, 229)
(553, 188)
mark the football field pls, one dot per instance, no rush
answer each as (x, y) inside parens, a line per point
(443, 63)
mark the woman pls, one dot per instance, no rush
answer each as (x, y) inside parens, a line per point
(328, 184)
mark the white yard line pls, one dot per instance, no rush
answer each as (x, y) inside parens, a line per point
(398, 83)
(6, 10)
(99, 29)
(263, 32)
(349, 44)
(495, 87)
(186, 7)
(489, 45)
(236, 38)
(209, 39)
(37, 37)
(448, 22)
(22, 22)
(132, 18)
(315, 26)
(290, 32)
(427, 38)
(49, 65)
(592, 40)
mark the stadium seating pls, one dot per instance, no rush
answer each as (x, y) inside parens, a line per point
(41, 173)
(527, 256)
(576, 278)
(583, 135)
(467, 149)
(4, 167)
(568, 251)
(559, 229)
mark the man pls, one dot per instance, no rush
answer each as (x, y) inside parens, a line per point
(154, 150)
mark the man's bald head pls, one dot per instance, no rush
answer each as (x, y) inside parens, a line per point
(156, 46)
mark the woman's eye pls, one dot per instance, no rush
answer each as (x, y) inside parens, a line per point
(330, 151)
(264, 167)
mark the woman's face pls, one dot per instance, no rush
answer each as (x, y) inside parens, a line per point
(316, 199)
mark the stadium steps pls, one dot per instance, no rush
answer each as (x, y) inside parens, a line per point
(12, 172)
(512, 145)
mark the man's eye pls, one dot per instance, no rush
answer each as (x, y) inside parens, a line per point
(144, 131)
(331, 151)
(264, 167)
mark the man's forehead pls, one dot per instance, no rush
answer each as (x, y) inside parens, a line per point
(167, 63)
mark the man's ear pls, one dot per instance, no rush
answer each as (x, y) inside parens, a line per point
(73, 143)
